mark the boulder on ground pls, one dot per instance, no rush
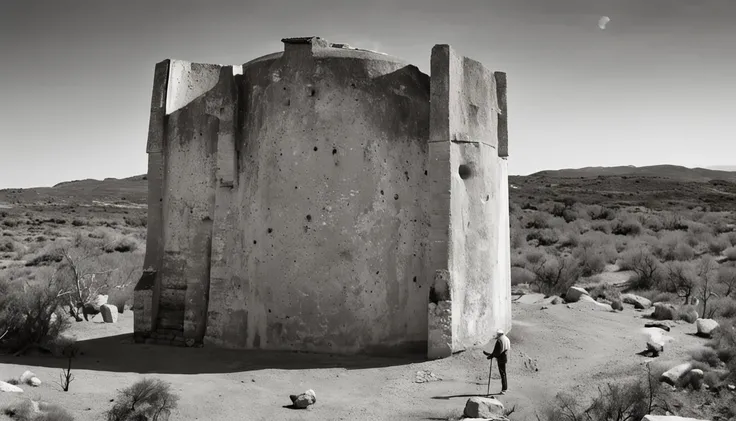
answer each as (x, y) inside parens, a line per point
(695, 378)
(706, 327)
(595, 305)
(674, 374)
(655, 347)
(664, 311)
(109, 313)
(485, 408)
(637, 301)
(667, 418)
(9, 388)
(574, 293)
(304, 400)
(35, 382)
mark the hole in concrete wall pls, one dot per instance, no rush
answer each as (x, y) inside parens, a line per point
(433, 298)
(288, 102)
(309, 218)
(464, 171)
(334, 151)
(396, 196)
(270, 230)
(315, 149)
(312, 92)
(425, 172)
(382, 192)
(255, 242)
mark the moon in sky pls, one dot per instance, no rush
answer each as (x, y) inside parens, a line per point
(603, 21)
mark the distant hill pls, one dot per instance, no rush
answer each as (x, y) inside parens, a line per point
(112, 190)
(670, 172)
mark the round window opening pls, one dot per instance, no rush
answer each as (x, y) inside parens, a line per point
(464, 171)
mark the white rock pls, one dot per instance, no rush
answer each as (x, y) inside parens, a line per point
(9, 388)
(706, 327)
(304, 400)
(668, 418)
(35, 381)
(109, 313)
(674, 374)
(478, 407)
(636, 300)
(574, 294)
(595, 305)
(26, 376)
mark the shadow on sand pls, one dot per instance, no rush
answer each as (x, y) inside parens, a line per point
(120, 354)
(475, 395)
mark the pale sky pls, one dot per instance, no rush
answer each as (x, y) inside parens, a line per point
(658, 86)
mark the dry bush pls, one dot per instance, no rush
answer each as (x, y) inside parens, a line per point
(605, 291)
(647, 267)
(727, 279)
(630, 226)
(521, 276)
(122, 245)
(554, 275)
(29, 311)
(24, 411)
(705, 355)
(149, 398)
(590, 259)
(658, 296)
(538, 220)
(717, 245)
(688, 314)
(544, 237)
(723, 307)
(136, 220)
(730, 253)
(615, 402)
(672, 245)
(601, 226)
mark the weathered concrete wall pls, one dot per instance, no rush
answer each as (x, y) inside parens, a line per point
(466, 205)
(329, 205)
(307, 201)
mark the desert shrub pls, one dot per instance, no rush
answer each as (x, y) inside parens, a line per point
(617, 305)
(569, 215)
(717, 245)
(688, 313)
(533, 256)
(724, 344)
(705, 355)
(538, 220)
(630, 227)
(597, 212)
(544, 237)
(723, 307)
(7, 245)
(601, 226)
(730, 253)
(30, 313)
(136, 221)
(615, 402)
(20, 411)
(591, 261)
(521, 276)
(121, 244)
(605, 291)
(647, 267)
(658, 296)
(554, 275)
(149, 399)
(727, 279)
(10, 223)
(50, 412)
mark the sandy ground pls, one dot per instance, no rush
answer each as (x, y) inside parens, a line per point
(575, 348)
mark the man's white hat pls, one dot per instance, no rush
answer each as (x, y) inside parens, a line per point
(499, 332)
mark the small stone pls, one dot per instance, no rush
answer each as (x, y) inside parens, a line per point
(544, 308)
(26, 377)
(304, 400)
(109, 313)
(732, 387)
(35, 381)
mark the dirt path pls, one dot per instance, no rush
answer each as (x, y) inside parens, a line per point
(575, 348)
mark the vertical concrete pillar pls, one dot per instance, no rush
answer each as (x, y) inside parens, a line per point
(467, 255)
(147, 291)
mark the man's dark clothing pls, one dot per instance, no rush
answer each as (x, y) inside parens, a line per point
(501, 357)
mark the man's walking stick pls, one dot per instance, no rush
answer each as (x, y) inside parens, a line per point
(490, 369)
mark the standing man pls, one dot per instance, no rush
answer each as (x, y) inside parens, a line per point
(500, 352)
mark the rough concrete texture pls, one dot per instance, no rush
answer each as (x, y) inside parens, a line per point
(291, 208)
